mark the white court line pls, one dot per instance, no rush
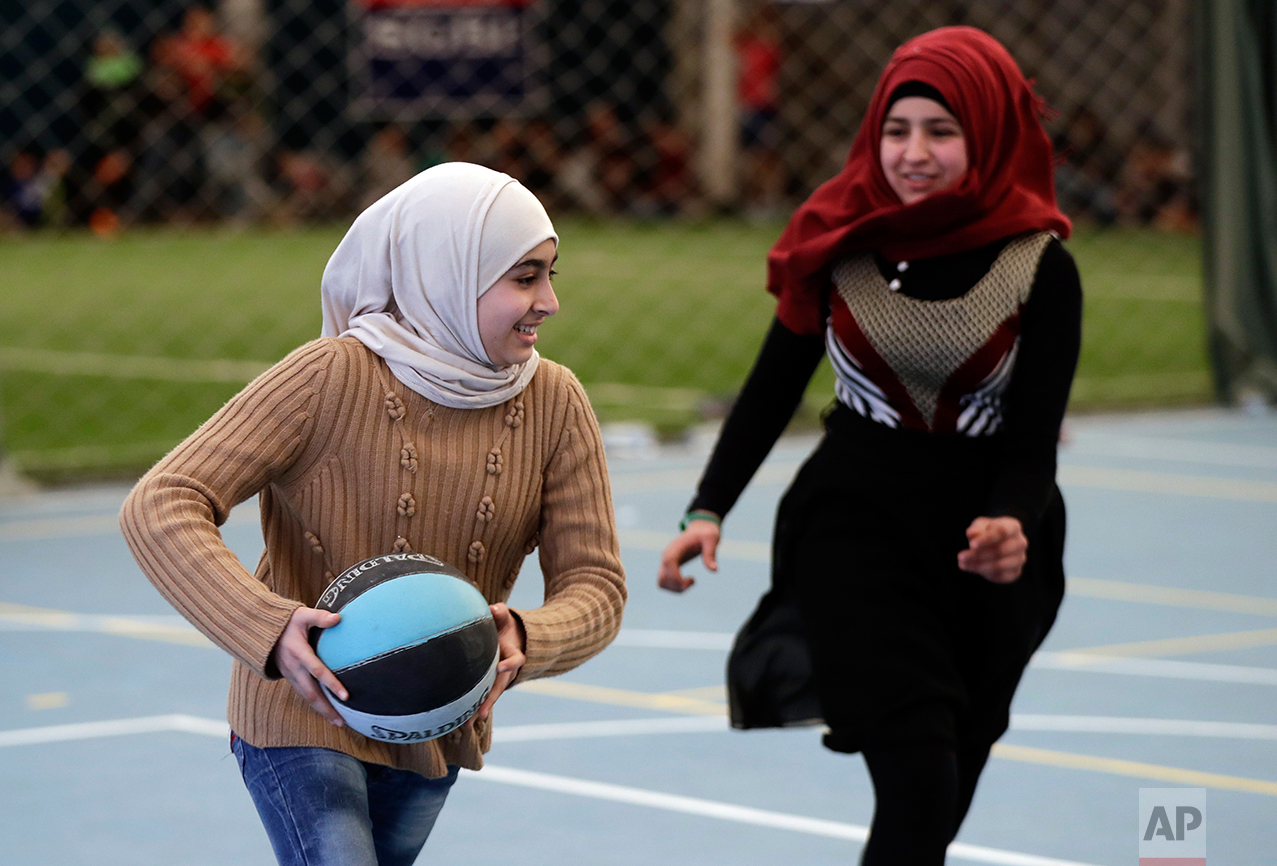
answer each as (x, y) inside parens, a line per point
(546, 782)
(738, 814)
(186, 724)
(1019, 722)
(114, 728)
(662, 639)
(1086, 663)
(18, 618)
(1154, 727)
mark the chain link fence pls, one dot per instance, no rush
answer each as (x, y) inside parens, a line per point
(148, 143)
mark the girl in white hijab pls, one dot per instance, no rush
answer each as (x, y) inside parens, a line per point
(408, 278)
(423, 420)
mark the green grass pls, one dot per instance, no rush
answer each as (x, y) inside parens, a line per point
(661, 320)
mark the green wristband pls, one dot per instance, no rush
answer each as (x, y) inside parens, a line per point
(699, 515)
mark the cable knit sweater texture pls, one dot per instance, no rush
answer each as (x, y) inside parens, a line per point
(349, 464)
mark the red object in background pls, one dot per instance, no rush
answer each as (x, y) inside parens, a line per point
(201, 61)
(759, 61)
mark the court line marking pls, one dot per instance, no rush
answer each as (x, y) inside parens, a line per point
(1118, 590)
(1119, 767)
(1025, 754)
(750, 551)
(1019, 722)
(1182, 645)
(546, 782)
(1068, 475)
(1167, 668)
(61, 620)
(1162, 483)
(1173, 450)
(664, 639)
(1095, 659)
(638, 727)
(738, 814)
(613, 728)
(1143, 727)
(666, 702)
(177, 722)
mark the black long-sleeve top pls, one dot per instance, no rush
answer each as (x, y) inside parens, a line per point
(1034, 404)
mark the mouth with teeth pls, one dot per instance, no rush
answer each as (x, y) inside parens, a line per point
(526, 329)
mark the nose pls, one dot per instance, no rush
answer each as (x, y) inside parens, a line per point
(916, 149)
(546, 303)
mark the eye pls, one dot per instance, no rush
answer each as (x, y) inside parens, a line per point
(553, 274)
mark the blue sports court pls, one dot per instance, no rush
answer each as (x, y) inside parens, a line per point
(1161, 673)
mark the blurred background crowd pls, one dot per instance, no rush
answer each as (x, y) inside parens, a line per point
(259, 111)
(225, 145)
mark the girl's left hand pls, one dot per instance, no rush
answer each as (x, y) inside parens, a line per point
(998, 549)
(513, 641)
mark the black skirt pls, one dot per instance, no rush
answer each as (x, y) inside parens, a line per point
(869, 625)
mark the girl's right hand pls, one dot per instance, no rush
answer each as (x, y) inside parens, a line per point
(298, 663)
(701, 537)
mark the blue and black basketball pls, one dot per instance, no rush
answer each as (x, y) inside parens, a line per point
(416, 647)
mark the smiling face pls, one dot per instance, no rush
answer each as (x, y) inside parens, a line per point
(922, 150)
(518, 302)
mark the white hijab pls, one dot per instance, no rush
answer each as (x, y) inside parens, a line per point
(407, 278)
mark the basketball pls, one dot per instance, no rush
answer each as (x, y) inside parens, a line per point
(416, 647)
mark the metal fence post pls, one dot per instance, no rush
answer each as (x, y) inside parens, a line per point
(719, 132)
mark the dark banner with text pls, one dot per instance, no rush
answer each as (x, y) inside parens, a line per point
(422, 58)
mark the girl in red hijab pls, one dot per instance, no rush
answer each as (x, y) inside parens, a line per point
(917, 555)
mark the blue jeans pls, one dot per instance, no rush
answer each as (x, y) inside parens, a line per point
(325, 808)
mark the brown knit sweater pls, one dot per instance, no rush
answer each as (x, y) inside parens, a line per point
(349, 464)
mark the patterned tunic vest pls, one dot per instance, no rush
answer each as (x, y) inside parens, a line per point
(940, 366)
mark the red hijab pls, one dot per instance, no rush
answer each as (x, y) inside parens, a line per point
(1008, 189)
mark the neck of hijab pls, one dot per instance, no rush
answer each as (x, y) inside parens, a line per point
(1008, 188)
(407, 278)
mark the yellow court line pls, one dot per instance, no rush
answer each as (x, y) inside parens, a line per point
(1194, 598)
(759, 551)
(154, 631)
(1136, 481)
(1184, 645)
(677, 703)
(690, 702)
(40, 616)
(62, 620)
(716, 694)
(622, 697)
(1135, 769)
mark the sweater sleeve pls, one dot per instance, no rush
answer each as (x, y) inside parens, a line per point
(767, 402)
(1038, 393)
(171, 518)
(580, 554)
